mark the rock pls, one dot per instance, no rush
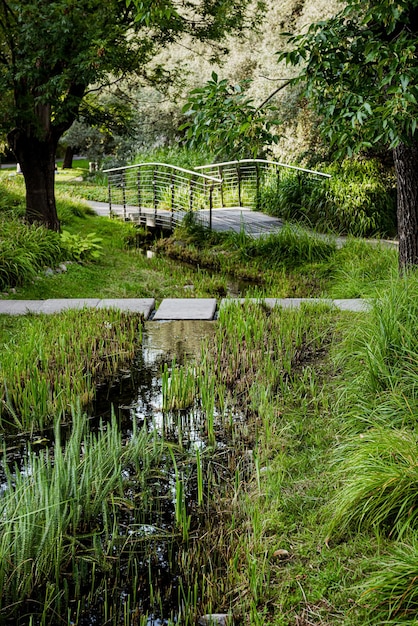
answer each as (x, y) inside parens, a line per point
(48, 271)
(281, 554)
(216, 619)
(62, 267)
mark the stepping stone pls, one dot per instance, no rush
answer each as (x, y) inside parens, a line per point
(58, 305)
(20, 307)
(186, 309)
(353, 305)
(133, 305)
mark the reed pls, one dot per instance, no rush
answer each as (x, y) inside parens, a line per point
(59, 514)
(57, 360)
(178, 386)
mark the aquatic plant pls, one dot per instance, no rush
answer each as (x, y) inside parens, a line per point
(57, 360)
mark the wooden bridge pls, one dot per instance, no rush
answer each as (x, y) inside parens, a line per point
(160, 194)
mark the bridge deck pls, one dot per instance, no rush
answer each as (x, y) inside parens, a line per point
(232, 219)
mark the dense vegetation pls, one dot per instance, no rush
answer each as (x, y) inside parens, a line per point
(314, 516)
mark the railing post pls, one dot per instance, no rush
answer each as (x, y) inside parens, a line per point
(257, 186)
(109, 191)
(191, 195)
(172, 201)
(123, 183)
(154, 194)
(278, 178)
(239, 184)
(210, 206)
(138, 186)
(220, 174)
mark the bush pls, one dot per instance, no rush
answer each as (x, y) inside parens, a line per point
(24, 250)
(379, 475)
(358, 199)
(290, 247)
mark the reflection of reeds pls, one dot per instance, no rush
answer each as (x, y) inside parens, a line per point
(58, 360)
(59, 513)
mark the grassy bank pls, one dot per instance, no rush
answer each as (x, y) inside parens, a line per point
(289, 448)
(291, 263)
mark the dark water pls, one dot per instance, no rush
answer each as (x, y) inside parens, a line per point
(136, 396)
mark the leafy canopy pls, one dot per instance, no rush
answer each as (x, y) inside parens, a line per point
(52, 52)
(360, 69)
(224, 119)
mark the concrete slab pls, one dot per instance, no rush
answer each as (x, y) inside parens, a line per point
(355, 305)
(20, 307)
(62, 304)
(134, 305)
(285, 303)
(186, 309)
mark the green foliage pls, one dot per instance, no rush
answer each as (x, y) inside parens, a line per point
(178, 155)
(358, 200)
(378, 484)
(80, 248)
(223, 118)
(392, 593)
(25, 250)
(290, 247)
(360, 71)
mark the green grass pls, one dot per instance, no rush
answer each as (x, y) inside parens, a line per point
(305, 508)
(53, 362)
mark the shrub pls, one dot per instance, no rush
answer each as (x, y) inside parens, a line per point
(358, 199)
(24, 250)
(379, 475)
(80, 248)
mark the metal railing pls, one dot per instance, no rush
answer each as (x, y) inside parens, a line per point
(242, 180)
(159, 194)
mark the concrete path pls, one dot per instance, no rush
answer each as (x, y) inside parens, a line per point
(169, 309)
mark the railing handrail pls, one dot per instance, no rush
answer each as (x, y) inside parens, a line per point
(168, 165)
(277, 163)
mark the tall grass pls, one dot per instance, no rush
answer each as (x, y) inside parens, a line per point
(380, 355)
(358, 200)
(59, 515)
(290, 247)
(377, 484)
(376, 473)
(57, 360)
(392, 593)
(25, 250)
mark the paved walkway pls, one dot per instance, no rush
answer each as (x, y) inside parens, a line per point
(169, 309)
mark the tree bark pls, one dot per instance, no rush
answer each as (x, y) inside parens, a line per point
(36, 157)
(406, 167)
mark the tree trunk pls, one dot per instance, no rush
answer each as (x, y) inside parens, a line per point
(406, 166)
(68, 158)
(36, 158)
